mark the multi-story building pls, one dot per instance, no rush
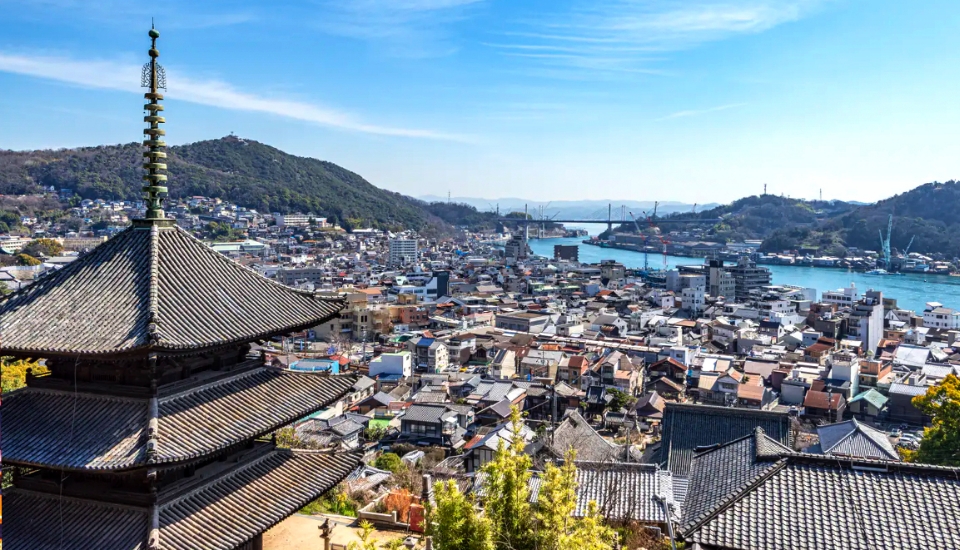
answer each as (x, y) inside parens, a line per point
(399, 363)
(292, 220)
(841, 297)
(611, 270)
(403, 251)
(516, 249)
(720, 282)
(866, 320)
(429, 354)
(937, 316)
(747, 276)
(524, 321)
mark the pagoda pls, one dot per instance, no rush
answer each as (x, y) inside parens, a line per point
(153, 428)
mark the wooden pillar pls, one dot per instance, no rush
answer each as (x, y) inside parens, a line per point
(257, 542)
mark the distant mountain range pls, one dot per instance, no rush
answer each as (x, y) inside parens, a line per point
(258, 176)
(570, 209)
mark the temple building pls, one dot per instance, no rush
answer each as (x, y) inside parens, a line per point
(153, 428)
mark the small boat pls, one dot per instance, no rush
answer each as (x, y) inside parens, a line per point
(877, 271)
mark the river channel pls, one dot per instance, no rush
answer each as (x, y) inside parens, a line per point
(911, 290)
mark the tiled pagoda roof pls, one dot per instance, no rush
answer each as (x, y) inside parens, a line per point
(153, 287)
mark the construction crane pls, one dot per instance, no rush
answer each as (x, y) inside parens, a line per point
(907, 249)
(639, 234)
(885, 242)
(653, 226)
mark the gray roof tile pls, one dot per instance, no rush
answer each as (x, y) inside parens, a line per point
(111, 431)
(153, 288)
(687, 427)
(803, 501)
(256, 495)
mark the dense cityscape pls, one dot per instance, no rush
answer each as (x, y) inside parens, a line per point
(235, 360)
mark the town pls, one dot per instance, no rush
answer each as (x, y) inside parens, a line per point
(652, 379)
(219, 345)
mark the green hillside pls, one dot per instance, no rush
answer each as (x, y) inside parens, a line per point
(245, 172)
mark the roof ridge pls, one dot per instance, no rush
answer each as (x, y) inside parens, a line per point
(154, 287)
(728, 500)
(70, 393)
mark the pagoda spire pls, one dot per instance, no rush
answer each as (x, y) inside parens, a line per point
(154, 77)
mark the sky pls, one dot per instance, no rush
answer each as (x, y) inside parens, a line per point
(683, 100)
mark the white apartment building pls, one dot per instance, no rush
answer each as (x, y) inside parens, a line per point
(292, 220)
(403, 251)
(842, 296)
(937, 316)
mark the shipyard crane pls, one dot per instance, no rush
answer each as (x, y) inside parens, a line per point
(885, 242)
(907, 249)
(640, 234)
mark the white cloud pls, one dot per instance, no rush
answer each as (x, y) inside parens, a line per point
(407, 28)
(697, 112)
(116, 76)
(620, 34)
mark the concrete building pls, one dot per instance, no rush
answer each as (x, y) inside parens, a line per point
(568, 252)
(399, 363)
(747, 276)
(720, 282)
(516, 249)
(937, 316)
(866, 320)
(841, 297)
(524, 321)
(292, 220)
(403, 251)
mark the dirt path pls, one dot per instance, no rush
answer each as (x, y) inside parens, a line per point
(300, 532)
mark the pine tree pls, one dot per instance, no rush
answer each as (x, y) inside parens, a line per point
(455, 523)
(506, 482)
(558, 529)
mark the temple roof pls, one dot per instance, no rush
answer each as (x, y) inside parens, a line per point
(111, 433)
(223, 511)
(153, 287)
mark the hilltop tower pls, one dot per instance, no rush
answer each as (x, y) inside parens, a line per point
(153, 428)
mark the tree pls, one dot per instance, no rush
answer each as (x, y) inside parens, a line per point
(454, 521)
(558, 529)
(507, 491)
(4, 289)
(390, 462)
(27, 260)
(13, 373)
(621, 400)
(375, 433)
(941, 441)
(366, 531)
(42, 247)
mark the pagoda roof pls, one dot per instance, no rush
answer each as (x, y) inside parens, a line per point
(153, 287)
(112, 433)
(225, 510)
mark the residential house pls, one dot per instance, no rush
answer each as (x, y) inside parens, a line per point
(867, 405)
(688, 428)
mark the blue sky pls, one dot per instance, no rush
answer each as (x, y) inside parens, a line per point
(689, 100)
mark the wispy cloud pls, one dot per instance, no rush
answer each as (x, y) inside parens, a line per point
(621, 35)
(406, 28)
(698, 112)
(123, 77)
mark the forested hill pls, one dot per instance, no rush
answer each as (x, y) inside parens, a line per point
(928, 214)
(242, 171)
